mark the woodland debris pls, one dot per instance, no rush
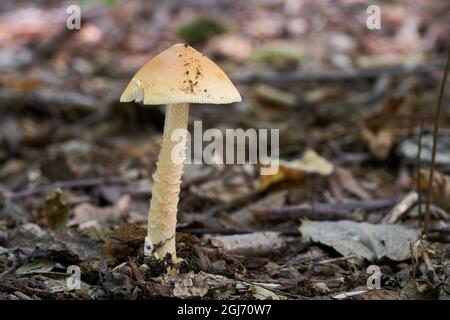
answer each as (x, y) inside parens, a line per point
(251, 76)
(198, 285)
(85, 212)
(81, 183)
(36, 266)
(379, 143)
(273, 97)
(56, 210)
(350, 184)
(296, 170)
(362, 240)
(323, 211)
(232, 46)
(122, 243)
(345, 295)
(426, 224)
(408, 149)
(254, 244)
(440, 188)
(93, 229)
(400, 208)
(260, 291)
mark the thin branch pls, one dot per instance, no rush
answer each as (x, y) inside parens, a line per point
(418, 166)
(435, 141)
(356, 74)
(227, 231)
(323, 211)
(82, 183)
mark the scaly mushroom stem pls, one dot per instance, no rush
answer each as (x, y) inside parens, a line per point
(162, 217)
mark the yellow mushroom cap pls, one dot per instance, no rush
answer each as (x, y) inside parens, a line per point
(180, 74)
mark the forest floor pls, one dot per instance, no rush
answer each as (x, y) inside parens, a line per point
(346, 207)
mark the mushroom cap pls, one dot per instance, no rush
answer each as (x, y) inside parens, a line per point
(180, 74)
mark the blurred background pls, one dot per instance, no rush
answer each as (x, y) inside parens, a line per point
(353, 97)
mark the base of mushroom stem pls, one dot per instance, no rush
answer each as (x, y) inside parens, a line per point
(149, 251)
(148, 247)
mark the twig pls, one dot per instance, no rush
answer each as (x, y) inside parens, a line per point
(418, 165)
(82, 183)
(400, 208)
(136, 271)
(430, 269)
(435, 140)
(286, 77)
(336, 259)
(202, 231)
(323, 211)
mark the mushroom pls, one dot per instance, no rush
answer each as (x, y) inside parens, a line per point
(178, 76)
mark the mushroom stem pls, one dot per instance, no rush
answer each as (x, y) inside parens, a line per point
(162, 218)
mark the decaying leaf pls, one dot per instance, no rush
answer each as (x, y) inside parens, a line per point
(198, 285)
(295, 171)
(93, 229)
(60, 285)
(382, 127)
(232, 186)
(384, 114)
(440, 187)
(259, 291)
(350, 184)
(362, 240)
(379, 143)
(122, 243)
(85, 212)
(56, 210)
(36, 266)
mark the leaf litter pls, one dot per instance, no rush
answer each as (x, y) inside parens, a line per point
(75, 165)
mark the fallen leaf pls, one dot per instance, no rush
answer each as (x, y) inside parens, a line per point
(56, 210)
(198, 285)
(259, 291)
(232, 186)
(362, 240)
(86, 212)
(440, 188)
(123, 242)
(231, 46)
(36, 266)
(93, 229)
(379, 143)
(350, 184)
(296, 170)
